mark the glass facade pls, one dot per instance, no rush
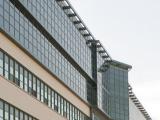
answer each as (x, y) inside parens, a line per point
(49, 14)
(110, 90)
(117, 84)
(34, 86)
(9, 112)
(103, 93)
(14, 23)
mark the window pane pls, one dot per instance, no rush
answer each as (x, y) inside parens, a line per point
(1, 110)
(6, 112)
(42, 92)
(11, 113)
(45, 95)
(68, 110)
(49, 97)
(6, 66)
(59, 104)
(53, 100)
(76, 115)
(25, 117)
(30, 83)
(38, 89)
(11, 68)
(16, 114)
(34, 91)
(1, 63)
(21, 116)
(62, 106)
(25, 80)
(30, 118)
(71, 112)
(64, 109)
(16, 73)
(21, 77)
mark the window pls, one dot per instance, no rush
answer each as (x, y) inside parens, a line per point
(38, 89)
(21, 116)
(21, 77)
(1, 63)
(11, 70)
(34, 91)
(59, 104)
(11, 113)
(64, 109)
(6, 67)
(6, 115)
(45, 95)
(30, 83)
(75, 111)
(30, 118)
(78, 115)
(56, 102)
(16, 73)
(82, 116)
(1, 110)
(25, 117)
(42, 92)
(68, 111)
(53, 100)
(70, 107)
(26, 80)
(16, 114)
(49, 97)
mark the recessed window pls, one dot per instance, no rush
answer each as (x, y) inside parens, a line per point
(1, 110)
(11, 70)
(6, 112)
(6, 67)
(1, 63)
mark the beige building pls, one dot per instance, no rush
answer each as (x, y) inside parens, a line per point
(15, 95)
(52, 68)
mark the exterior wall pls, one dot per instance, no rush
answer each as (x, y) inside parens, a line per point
(10, 112)
(47, 34)
(115, 80)
(134, 112)
(25, 102)
(35, 68)
(41, 45)
(56, 19)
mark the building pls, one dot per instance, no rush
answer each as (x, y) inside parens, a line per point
(52, 67)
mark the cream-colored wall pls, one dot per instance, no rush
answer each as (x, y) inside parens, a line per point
(17, 97)
(34, 67)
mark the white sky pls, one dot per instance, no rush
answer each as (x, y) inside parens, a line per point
(130, 31)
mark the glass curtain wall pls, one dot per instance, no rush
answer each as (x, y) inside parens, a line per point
(16, 25)
(117, 84)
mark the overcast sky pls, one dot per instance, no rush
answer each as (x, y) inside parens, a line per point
(130, 31)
